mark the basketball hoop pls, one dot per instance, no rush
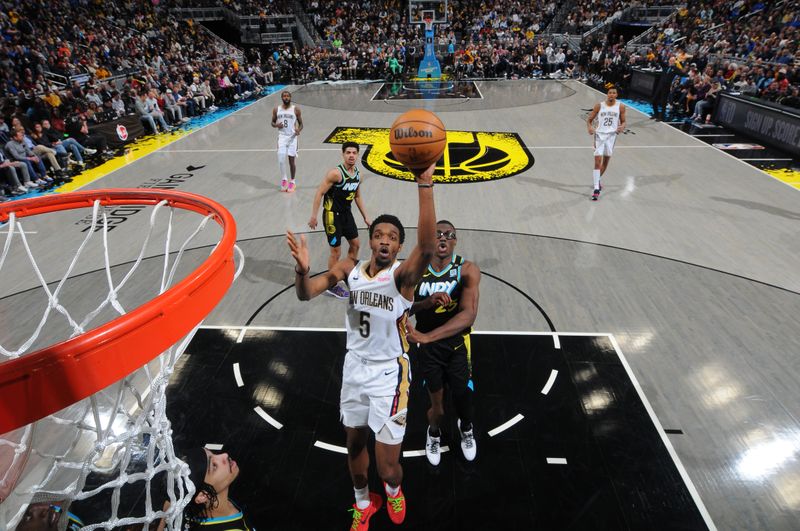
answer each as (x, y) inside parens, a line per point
(427, 19)
(107, 382)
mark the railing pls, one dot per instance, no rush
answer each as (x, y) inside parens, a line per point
(606, 23)
(223, 47)
(654, 13)
(573, 41)
(644, 39)
(276, 37)
(716, 58)
(248, 25)
(305, 26)
(559, 16)
(57, 79)
(199, 14)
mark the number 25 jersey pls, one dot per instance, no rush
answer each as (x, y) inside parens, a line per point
(376, 314)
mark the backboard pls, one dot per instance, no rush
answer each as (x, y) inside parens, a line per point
(418, 9)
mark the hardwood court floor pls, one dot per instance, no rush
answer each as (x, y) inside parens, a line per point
(689, 260)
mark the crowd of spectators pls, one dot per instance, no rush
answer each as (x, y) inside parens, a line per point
(363, 40)
(132, 57)
(240, 7)
(589, 13)
(122, 58)
(749, 47)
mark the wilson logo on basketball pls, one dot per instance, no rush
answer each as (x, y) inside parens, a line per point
(410, 132)
(122, 132)
(470, 156)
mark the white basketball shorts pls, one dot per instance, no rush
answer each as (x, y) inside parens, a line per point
(375, 394)
(604, 144)
(287, 145)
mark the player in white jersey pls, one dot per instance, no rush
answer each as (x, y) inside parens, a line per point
(289, 122)
(376, 374)
(610, 116)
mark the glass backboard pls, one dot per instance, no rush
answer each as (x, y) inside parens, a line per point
(418, 9)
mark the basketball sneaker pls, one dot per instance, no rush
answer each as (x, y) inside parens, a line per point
(291, 186)
(339, 292)
(396, 506)
(433, 448)
(284, 185)
(361, 516)
(468, 446)
(596, 194)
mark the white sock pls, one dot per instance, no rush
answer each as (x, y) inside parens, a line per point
(392, 491)
(596, 179)
(283, 166)
(362, 497)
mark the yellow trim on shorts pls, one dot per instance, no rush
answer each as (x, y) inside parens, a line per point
(468, 346)
(401, 391)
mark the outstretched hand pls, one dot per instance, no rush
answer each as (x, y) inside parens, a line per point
(424, 176)
(299, 250)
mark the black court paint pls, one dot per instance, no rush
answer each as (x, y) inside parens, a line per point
(619, 474)
(428, 90)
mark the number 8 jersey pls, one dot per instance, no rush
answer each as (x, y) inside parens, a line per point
(376, 314)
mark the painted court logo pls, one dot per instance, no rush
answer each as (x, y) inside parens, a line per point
(470, 156)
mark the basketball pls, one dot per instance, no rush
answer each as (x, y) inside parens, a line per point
(417, 139)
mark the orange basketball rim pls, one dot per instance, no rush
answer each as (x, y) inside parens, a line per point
(40, 383)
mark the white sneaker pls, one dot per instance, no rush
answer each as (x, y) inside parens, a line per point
(89, 151)
(468, 446)
(22, 190)
(184, 120)
(433, 448)
(32, 185)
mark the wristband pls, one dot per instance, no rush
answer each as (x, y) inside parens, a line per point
(302, 274)
(423, 185)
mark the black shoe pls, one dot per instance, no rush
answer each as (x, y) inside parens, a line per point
(595, 195)
(653, 117)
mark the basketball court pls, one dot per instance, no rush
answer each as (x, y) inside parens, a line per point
(635, 361)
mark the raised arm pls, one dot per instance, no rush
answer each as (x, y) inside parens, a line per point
(409, 272)
(306, 286)
(467, 309)
(331, 178)
(592, 116)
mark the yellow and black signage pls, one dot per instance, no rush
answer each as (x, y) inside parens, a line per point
(470, 156)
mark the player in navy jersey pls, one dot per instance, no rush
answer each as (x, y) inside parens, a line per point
(340, 187)
(445, 307)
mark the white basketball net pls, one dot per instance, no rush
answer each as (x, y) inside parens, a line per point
(120, 434)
